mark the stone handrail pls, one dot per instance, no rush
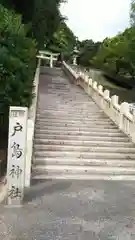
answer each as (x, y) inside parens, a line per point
(70, 72)
(119, 113)
(30, 128)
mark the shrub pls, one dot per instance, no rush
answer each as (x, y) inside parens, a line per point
(17, 61)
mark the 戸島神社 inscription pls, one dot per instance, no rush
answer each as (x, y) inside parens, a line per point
(16, 154)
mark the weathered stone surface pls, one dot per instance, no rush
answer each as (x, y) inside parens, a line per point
(78, 210)
(74, 139)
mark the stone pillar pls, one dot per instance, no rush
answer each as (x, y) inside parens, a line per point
(124, 108)
(95, 85)
(16, 155)
(106, 102)
(75, 60)
(51, 61)
(39, 62)
(114, 100)
(100, 89)
(133, 130)
(106, 94)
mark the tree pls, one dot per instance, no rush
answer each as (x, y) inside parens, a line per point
(88, 49)
(114, 55)
(63, 40)
(42, 17)
(17, 61)
(132, 13)
(46, 19)
(117, 55)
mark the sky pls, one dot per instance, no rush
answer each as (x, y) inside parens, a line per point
(96, 19)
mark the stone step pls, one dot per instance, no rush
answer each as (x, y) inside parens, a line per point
(73, 118)
(74, 139)
(62, 99)
(58, 169)
(73, 124)
(66, 119)
(76, 121)
(84, 162)
(78, 133)
(85, 155)
(65, 148)
(77, 124)
(54, 142)
(68, 112)
(67, 92)
(86, 177)
(72, 100)
(82, 138)
(70, 108)
(64, 102)
(89, 129)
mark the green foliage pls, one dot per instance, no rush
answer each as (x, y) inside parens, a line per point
(117, 55)
(132, 13)
(17, 61)
(38, 20)
(114, 55)
(42, 15)
(88, 50)
(63, 40)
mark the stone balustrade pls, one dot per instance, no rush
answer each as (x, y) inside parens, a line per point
(31, 126)
(119, 113)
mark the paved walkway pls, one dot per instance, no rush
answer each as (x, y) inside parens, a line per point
(72, 210)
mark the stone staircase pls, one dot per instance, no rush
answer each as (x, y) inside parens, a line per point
(74, 139)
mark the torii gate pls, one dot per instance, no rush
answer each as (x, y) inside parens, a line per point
(49, 56)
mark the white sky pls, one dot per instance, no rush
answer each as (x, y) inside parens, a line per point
(96, 19)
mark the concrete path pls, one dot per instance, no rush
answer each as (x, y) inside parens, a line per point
(72, 210)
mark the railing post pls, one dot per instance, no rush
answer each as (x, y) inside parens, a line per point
(95, 85)
(106, 102)
(100, 93)
(51, 61)
(124, 107)
(114, 100)
(133, 130)
(90, 82)
(39, 62)
(86, 82)
(94, 91)
(106, 94)
(114, 113)
(100, 89)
